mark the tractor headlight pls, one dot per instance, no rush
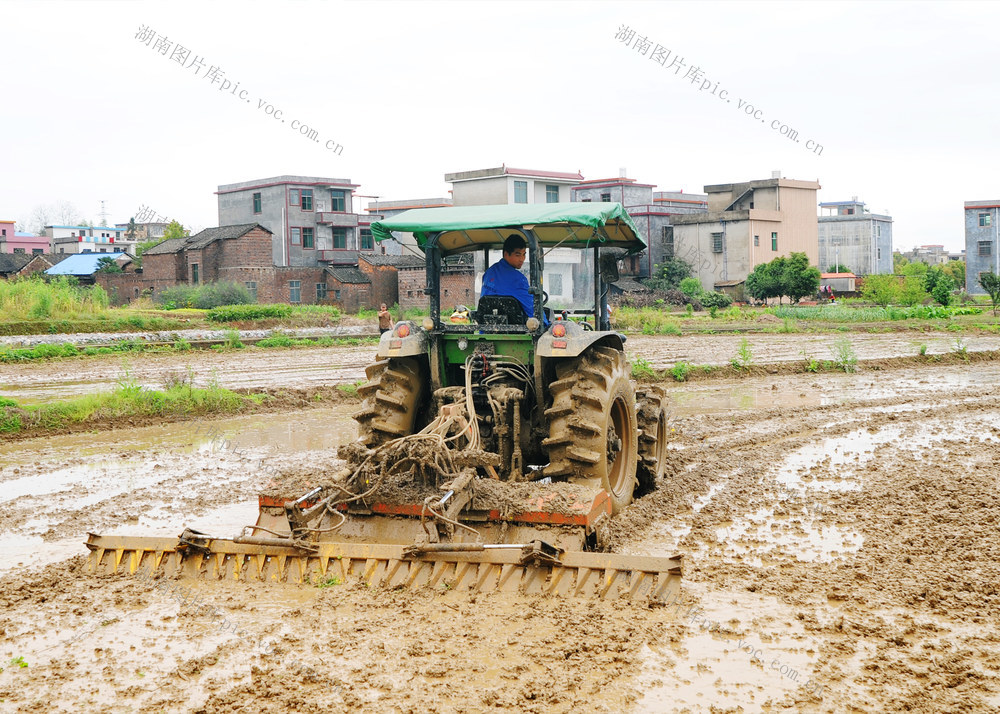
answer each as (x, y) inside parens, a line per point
(463, 344)
(532, 323)
(428, 323)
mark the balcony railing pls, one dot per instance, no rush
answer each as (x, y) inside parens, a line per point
(337, 219)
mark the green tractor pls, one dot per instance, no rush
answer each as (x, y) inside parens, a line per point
(550, 394)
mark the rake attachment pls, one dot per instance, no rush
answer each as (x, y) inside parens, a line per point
(463, 567)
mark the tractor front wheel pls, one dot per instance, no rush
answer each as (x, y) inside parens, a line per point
(592, 423)
(392, 397)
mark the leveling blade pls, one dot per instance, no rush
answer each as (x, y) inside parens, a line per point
(576, 574)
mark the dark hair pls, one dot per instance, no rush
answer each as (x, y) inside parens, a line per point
(514, 242)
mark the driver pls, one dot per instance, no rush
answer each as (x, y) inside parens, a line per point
(504, 277)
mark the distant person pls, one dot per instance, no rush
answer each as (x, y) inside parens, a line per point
(384, 319)
(504, 277)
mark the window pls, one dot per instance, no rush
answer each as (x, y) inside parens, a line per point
(668, 242)
(256, 203)
(850, 211)
(552, 194)
(555, 283)
(195, 273)
(586, 200)
(985, 219)
(336, 295)
(19, 250)
(878, 229)
(605, 198)
(985, 248)
(307, 199)
(295, 291)
(338, 201)
(37, 251)
(878, 254)
(774, 241)
(294, 199)
(716, 242)
(308, 238)
(520, 192)
(4, 232)
(296, 236)
(367, 243)
(339, 238)
(320, 291)
(251, 286)
(756, 241)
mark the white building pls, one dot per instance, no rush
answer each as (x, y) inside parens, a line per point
(87, 239)
(850, 235)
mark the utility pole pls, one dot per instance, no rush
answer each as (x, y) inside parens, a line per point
(104, 216)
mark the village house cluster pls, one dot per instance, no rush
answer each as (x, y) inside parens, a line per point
(305, 239)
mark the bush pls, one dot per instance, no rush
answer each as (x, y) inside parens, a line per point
(715, 299)
(691, 287)
(218, 294)
(233, 313)
(176, 297)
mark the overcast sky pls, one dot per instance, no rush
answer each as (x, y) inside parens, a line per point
(902, 97)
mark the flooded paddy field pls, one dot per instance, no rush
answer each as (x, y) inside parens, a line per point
(839, 534)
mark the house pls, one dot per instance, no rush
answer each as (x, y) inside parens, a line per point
(27, 243)
(143, 231)
(747, 224)
(83, 266)
(840, 282)
(239, 254)
(311, 219)
(651, 214)
(11, 264)
(458, 285)
(349, 288)
(383, 274)
(850, 235)
(982, 242)
(402, 243)
(88, 239)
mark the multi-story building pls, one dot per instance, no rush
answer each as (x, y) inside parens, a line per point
(651, 214)
(87, 239)
(143, 231)
(850, 235)
(503, 186)
(982, 242)
(402, 243)
(312, 219)
(748, 224)
(14, 241)
(506, 185)
(932, 254)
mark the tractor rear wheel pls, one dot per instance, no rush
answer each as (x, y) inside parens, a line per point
(653, 439)
(392, 397)
(592, 423)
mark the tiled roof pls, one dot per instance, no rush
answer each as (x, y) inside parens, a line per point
(348, 274)
(628, 285)
(396, 261)
(12, 262)
(202, 239)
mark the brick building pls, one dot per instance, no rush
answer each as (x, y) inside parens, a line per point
(383, 273)
(349, 288)
(458, 283)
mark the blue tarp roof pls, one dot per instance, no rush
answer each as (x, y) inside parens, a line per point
(81, 264)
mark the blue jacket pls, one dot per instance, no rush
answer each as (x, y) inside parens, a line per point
(503, 279)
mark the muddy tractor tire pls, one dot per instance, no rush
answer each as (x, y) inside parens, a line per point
(593, 431)
(650, 410)
(392, 397)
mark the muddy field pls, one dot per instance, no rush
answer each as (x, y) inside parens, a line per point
(839, 531)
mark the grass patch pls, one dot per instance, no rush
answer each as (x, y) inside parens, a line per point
(744, 356)
(32, 298)
(680, 371)
(642, 369)
(128, 399)
(845, 313)
(234, 313)
(351, 389)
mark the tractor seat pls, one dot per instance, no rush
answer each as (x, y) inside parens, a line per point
(499, 310)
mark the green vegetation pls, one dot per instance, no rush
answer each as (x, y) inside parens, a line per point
(961, 348)
(845, 357)
(668, 275)
(791, 276)
(642, 369)
(351, 390)
(234, 313)
(128, 399)
(204, 297)
(744, 356)
(838, 268)
(990, 282)
(327, 582)
(32, 298)
(843, 313)
(680, 371)
(173, 230)
(649, 321)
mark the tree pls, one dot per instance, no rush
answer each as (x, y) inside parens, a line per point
(798, 278)
(883, 289)
(942, 289)
(990, 282)
(764, 281)
(668, 275)
(173, 230)
(838, 268)
(899, 261)
(107, 264)
(956, 269)
(130, 231)
(919, 269)
(912, 292)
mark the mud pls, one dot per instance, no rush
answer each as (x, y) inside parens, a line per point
(839, 534)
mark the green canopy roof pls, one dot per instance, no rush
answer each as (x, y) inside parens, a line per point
(569, 225)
